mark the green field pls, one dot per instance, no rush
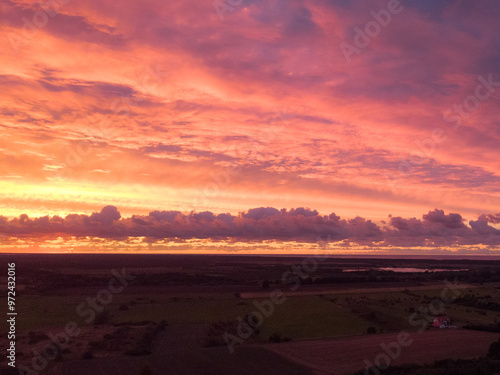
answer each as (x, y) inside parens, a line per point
(297, 318)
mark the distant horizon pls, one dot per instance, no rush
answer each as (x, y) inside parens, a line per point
(280, 255)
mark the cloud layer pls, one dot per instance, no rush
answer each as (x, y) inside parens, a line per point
(435, 228)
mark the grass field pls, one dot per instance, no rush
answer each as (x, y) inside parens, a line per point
(307, 316)
(312, 316)
(297, 318)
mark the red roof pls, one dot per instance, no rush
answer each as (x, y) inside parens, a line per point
(440, 320)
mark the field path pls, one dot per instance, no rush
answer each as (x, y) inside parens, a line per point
(347, 355)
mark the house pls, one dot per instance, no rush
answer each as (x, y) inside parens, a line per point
(442, 321)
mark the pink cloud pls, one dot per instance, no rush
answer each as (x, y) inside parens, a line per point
(258, 224)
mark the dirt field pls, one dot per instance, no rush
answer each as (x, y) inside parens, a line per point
(347, 355)
(177, 352)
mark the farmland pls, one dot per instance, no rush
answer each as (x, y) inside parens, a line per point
(175, 310)
(326, 357)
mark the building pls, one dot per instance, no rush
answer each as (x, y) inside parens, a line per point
(442, 321)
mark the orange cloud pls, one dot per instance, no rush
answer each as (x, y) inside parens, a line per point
(164, 104)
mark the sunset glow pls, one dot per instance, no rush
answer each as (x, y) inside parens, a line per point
(281, 126)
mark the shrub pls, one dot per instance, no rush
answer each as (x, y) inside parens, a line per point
(102, 318)
(8, 370)
(214, 336)
(494, 351)
(275, 337)
(145, 345)
(37, 337)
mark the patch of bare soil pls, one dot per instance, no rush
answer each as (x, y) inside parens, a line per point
(347, 355)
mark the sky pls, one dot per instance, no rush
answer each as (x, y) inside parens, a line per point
(277, 126)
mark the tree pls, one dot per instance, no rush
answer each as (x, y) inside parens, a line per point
(275, 337)
(494, 351)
